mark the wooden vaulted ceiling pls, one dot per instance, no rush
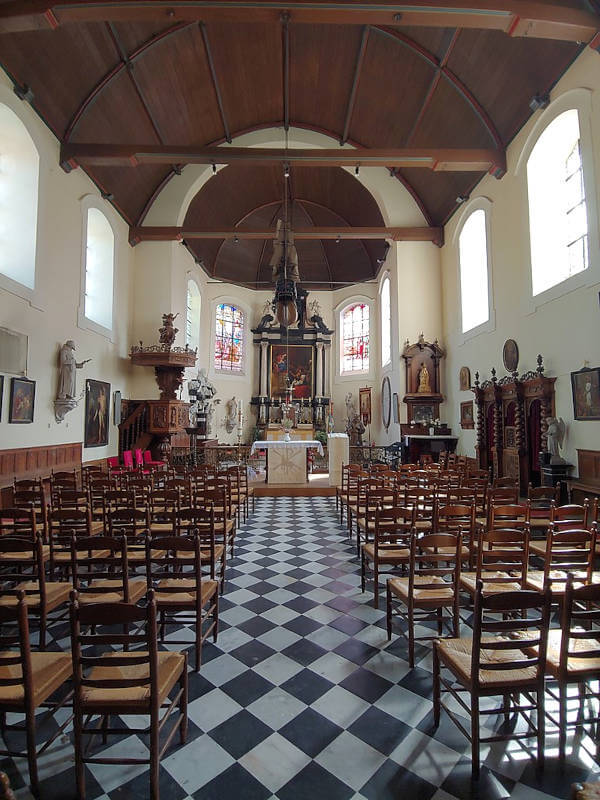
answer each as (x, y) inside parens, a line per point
(159, 79)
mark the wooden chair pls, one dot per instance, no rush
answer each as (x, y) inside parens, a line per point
(564, 518)
(18, 522)
(63, 525)
(350, 496)
(163, 502)
(23, 570)
(458, 518)
(502, 562)
(505, 482)
(430, 589)
(509, 515)
(100, 572)
(113, 679)
(211, 530)
(96, 488)
(31, 494)
(216, 499)
(376, 496)
(134, 524)
(569, 552)
(391, 544)
(424, 501)
(27, 681)
(574, 657)
(494, 663)
(180, 589)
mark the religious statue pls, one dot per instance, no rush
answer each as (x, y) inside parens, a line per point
(555, 435)
(201, 392)
(67, 371)
(168, 332)
(231, 412)
(284, 261)
(424, 386)
(267, 319)
(350, 407)
(355, 429)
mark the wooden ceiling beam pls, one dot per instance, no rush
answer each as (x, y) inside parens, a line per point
(548, 19)
(150, 233)
(493, 160)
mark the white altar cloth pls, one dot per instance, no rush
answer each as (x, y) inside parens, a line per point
(287, 460)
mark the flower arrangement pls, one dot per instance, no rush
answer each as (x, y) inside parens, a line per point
(287, 424)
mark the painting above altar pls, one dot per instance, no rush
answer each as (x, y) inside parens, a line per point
(292, 367)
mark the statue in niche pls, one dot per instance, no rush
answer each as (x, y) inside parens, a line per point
(231, 411)
(424, 386)
(555, 435)
(168, 332)
(67, 371)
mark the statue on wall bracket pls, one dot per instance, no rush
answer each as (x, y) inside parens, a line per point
(66, 395)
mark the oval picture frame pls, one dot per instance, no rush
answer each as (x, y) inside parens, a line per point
(510, 355)
(386, 402)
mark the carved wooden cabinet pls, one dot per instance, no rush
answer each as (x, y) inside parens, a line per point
(512, 414)
(422, 360)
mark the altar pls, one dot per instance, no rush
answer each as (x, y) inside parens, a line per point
(287, 462)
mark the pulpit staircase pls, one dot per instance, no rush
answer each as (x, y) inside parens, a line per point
(133, 430)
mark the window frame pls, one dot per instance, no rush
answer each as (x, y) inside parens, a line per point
(8, 284)
(339, 312)
(191, 280)
(385, 366)
(83, 322)
(579, 99)
(225, 374)
(476, 204)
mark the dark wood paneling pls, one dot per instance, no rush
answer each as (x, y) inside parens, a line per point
(393, 84)
(451, 119)
(133, 34)
(439, 190)
(248, 61)
(322, 66)
(34, 462)
(61, 67)
(131, 195)
(504, 73)
(175, 72)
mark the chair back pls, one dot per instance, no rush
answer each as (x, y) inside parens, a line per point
(580, 617)
(99, 566)
(503, 556)
(393, 526)
(571, 516)
(509, 515)
(129, 522)
(174, 566)
(128, 459)
(569, 552)
(434, 556)
(138, 457)
(514, 646)
(15, 648)
(502, 495)
(542, 496)
(71, 498)
(101, 630)
(505, 482)
(18, 522)
(22, 563)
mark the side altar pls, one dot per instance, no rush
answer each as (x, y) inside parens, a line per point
(294, 369)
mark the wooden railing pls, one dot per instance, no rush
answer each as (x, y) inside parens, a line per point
(133, 431)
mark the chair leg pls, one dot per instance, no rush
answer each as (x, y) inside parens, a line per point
(562, 717)
(362, 571)
(388, 610)
(216, 618)
(31, 753)
(375, 584)
(475, 762)
(198, 648)
(79, 765)
(437, 704)
(440, 622)
(183, 703)
(541, 725)
(411, 636)
(154, 756)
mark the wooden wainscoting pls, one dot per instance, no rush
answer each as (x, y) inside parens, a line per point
(33, 462)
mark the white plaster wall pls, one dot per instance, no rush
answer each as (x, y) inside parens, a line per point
(50, 317)
(564, 330)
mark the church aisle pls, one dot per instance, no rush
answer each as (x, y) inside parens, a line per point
(303, 696)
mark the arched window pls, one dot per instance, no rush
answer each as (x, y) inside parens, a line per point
(99, 269)
(386, 322)
(19, 177)
(558, 221)
(474, 266)
(229, 338)
(355, 338)
(192, 316)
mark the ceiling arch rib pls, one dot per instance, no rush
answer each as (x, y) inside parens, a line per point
(460, 87)
(323, 251)
(116, 70)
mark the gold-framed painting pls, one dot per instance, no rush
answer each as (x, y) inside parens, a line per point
(467, 419)
(97, 405)
(364, 403)
(292, 367)
(22, 400)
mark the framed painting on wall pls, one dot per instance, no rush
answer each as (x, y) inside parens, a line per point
(464, 379)
(586, 393)
(22, 400)
(467, 419)
(364, 403)
(97, 405)
(292, 367)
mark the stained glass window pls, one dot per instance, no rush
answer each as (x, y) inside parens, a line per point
(355, 338)
(229, 338)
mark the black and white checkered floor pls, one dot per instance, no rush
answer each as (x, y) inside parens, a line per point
(303, 696)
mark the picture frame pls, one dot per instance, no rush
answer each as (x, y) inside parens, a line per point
(22, 401)
(294, 362)
(364, 404)
(395, 407)
(117, 407)
(97, 407)
(585, 384)
(423, 414)
(467, 418)
(464, 379)
(1, 395)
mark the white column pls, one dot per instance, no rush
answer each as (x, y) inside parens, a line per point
(264, 347)
(319, 367)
